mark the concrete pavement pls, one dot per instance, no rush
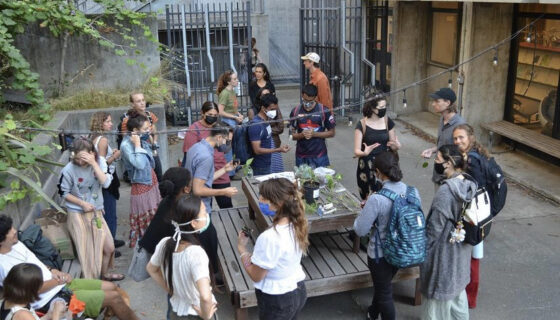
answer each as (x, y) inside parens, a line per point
(519, 273)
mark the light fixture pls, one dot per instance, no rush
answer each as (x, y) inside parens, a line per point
(450, 81)
(495, 59)
(528, 39)
(404, 99)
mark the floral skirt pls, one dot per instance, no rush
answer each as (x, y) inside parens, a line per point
(365, 176)
(144, 200)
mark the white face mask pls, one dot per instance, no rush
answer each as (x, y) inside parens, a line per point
(271, 114)
(178, 231)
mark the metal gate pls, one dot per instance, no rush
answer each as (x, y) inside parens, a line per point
(333, 29)
(203, 41)
(379, 42)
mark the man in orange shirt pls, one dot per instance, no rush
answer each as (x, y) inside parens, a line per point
(319, 79)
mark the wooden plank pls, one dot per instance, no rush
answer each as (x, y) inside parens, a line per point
(525, 136)
(329, 258)
(235, 278)
(72, 267)
(232, 234)
(338, 254)
(319, 262)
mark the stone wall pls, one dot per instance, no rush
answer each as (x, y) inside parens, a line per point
(24, 211)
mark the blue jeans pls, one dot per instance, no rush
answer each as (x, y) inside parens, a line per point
(285, 306)
(314, 162)
(261, 171)
(229, 154)
(110, 206)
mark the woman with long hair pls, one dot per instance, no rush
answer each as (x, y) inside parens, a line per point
(377, 212)
(374, 133)
(275, 264)
(445, 271)
(101, 123)
(200, 130)
(260, 82)
(21, 288)
(227, 99)
(180, 265)
(477, 156)
(139, 163)
(81, 182)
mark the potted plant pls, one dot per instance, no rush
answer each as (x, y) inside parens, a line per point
(308, 182)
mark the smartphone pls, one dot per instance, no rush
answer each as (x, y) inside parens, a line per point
(247, 231)
(236, 162)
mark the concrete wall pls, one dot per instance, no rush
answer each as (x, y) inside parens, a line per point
(25, 211)
(260, 31)
(410, 54)
(284, 38)
(89, 64)
(485, 85)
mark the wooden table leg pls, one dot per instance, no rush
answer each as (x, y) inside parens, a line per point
(241, 314)
(417, 295)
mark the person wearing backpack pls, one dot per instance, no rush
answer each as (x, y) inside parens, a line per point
(374, 133)
(377, 212)
(477, 162)
(312, 125)
(445, 271)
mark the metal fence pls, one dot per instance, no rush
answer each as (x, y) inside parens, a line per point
(333, 29)
(203, 41)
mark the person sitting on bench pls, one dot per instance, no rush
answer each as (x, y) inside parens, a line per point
(96, 294)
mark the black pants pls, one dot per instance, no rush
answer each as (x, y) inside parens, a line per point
(209, 242)
(223, 201)
(157, 168)
(382, 273)
(285, 306)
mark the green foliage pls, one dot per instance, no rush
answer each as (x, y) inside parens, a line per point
(305, 174)
(19, 157)
(21, 161)
(61, 18)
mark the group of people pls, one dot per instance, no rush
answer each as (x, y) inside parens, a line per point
(170, 214)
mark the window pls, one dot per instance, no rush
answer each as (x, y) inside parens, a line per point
(444, 39)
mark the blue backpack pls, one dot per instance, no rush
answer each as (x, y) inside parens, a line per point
(241, 146)
(405, 242)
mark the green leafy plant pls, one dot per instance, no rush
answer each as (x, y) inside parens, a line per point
(247, 167)
(22, 161)
(332, 180)
(306, 175)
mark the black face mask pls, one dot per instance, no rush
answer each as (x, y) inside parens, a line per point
(211, 119)
(439, 167)
(381, 112)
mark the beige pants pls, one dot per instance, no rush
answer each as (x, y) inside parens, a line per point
(88, 240)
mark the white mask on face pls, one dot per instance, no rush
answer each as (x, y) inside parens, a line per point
(271, 114)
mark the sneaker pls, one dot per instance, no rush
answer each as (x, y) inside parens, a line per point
(117, 254)
(119, 243)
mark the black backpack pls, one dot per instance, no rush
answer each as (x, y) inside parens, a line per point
(496, 183)
(33, 239)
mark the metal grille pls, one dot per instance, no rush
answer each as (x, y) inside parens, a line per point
(203, 41)
(333, 29)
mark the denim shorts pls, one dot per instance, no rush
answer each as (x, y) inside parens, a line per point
(314, 162)
(285, 306)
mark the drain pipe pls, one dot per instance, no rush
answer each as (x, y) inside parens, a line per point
(461, 82)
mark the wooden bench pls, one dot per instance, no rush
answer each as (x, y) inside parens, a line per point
(330, 267)
(524, 136)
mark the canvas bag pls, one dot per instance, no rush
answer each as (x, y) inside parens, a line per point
(477, 217)
(54, 227)
(137, 268)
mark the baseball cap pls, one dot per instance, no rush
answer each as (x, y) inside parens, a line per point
(311, 56)
(445, 94)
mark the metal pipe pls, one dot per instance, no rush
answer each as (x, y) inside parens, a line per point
(230, 40)
(344, 48)
(188, 76)
(208, 53)
(364, 45)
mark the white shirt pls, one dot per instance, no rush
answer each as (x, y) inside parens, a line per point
(20, 254)
(189, 266)
(277, 251)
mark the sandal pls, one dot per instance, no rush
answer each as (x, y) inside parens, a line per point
(113, 277)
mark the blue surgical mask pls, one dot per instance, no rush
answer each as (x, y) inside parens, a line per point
(265, 209)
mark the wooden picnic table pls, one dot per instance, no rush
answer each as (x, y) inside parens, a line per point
(343, 217)
(330, 266)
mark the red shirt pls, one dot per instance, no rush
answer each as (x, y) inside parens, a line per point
(193, 136)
